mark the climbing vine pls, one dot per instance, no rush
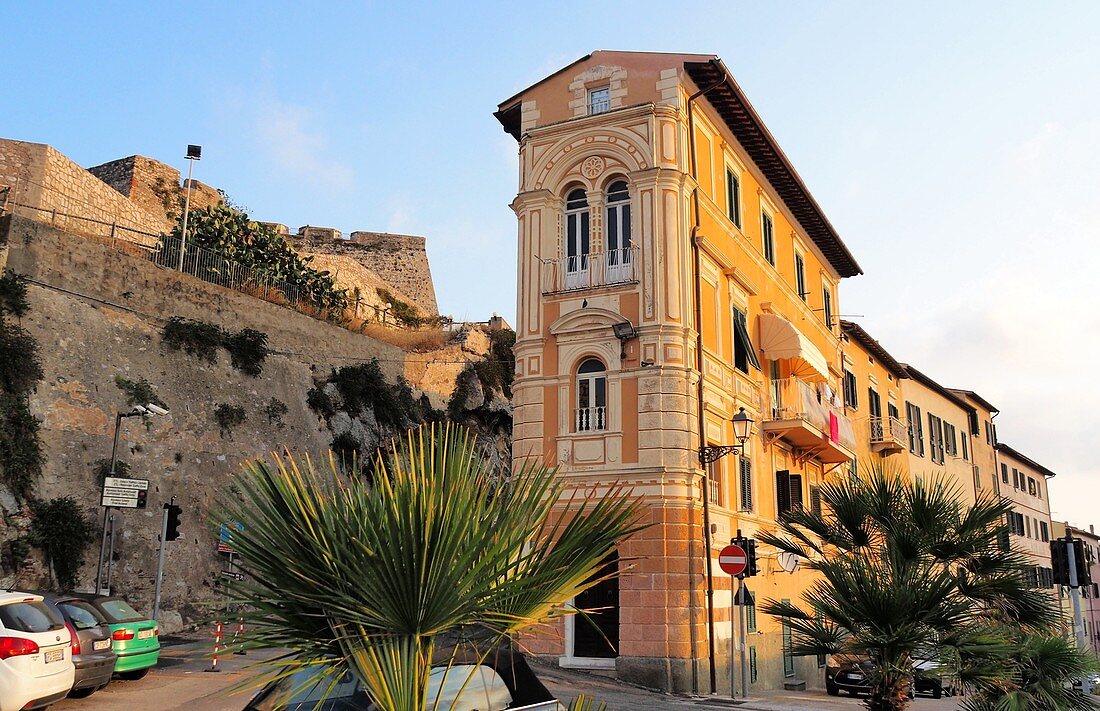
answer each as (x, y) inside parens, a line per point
(21, 456)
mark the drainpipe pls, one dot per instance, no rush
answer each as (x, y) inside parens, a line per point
(697, 259)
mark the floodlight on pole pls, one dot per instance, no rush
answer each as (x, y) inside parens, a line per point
(194, 153)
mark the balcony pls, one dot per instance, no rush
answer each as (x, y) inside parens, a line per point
(888, 435)
(588, 271)
(797, 415)
(591, 419)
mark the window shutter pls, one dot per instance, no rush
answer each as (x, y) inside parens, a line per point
(783, 491)
(796, 492)
(746, 484)
(815, 500)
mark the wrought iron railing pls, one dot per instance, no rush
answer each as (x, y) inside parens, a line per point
(888, 430)
(586, 271)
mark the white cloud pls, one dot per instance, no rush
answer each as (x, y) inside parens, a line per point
(289, 137)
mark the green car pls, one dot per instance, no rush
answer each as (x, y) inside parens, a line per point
(135, 638)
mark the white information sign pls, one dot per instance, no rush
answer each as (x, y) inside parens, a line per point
(123, 493)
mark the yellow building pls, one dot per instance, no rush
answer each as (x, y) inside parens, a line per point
(664, 235)
(875, 378)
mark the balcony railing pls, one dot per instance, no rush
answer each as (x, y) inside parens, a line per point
(591, 419)
(586, 271)
(888, 434)
(801, 415)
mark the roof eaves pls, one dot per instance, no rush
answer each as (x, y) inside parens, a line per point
(925, 380)
(856, 331)
(1002, 447)
(749, 129)
(976, 398)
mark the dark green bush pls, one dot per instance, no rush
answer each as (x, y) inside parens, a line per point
(61, 530)
(228, 417)
(138, 392)
(364, 386)
(320, 402)
(21, 456)
(13, 294)
(20, 368)
(196, 338)
(13, 554)
(102, 469)
(275, 410)
(404, 313)
(247, 350)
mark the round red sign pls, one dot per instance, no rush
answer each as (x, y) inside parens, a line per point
(733, 559)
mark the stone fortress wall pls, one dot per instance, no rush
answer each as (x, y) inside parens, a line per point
(137, 198)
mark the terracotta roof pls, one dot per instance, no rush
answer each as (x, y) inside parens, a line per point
(1002, 447)
(855, 331)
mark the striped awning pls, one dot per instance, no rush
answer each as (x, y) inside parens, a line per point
(780, 340)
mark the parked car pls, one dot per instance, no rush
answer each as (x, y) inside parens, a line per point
(135, 638)
(852, 674)
(36, 666)
(502, 681)
(91, 643)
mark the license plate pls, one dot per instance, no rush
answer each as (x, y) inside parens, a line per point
(101, 644)
(145, 634)
(55, 655)
(855, 677)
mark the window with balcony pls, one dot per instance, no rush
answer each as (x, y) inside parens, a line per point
(714, 481)
(788, 492)
(733, 197)
(767, 229)
(599, 100)
(744, 354)
(619, 259)
(800, 276)
(874, 403)
(577, 225)
(591, 396)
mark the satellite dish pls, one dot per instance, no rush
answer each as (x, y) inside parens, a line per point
(788, 561)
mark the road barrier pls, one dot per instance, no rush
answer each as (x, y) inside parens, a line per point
(217, 647)
(236, 633)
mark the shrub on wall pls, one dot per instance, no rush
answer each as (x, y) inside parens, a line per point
(404, 313)
(228, 417)
(247, 348)
(138, 392)
(21, 456)
(63, 532)
(275, 410)
(13, 294)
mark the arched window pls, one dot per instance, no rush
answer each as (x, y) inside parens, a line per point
(591, 396)
(619, 268)
(576, 238)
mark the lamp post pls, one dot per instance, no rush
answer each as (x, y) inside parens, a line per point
(137, 411)
(194, 153)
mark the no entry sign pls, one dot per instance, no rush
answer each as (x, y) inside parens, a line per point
(733, 559)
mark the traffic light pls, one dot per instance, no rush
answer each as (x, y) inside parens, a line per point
(142, 496)
(750, 553)
(1059, 561)
(1081, 559)
(172, 530)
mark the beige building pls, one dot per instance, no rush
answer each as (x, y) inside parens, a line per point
(1024, 482)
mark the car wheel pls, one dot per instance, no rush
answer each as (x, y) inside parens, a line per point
(832, 689)
(134, 675)
(937, 692)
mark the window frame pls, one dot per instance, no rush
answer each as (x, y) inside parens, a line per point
(744, 483)
(618, 213)
(767, 235)
(851, 396)
(800, 276)
(592, 102)
(827, 305)
(593, 378)
(742, 343)
(733, 197)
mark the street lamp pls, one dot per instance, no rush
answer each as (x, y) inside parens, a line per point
(194, 153)
(136, 411)
(624, 332)
(742, 428)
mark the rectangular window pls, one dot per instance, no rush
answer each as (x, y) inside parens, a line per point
(1031, 486)
(800, 276)
(745, 476)
(1016, 478)
(935, 438)
(714, 479)
(1004, 473)
(892, 410)
(874, 403)
(988, 433)
(851, 397)
(950, 444)
(1027, 526)
(853, 471)
(827, 303)
(1039, 489)
(733, 197)
(1044, 532)
(964, 440)
(752, 665)
(977, 477)
(768, 231)
(788, 491)
(744, 354)
(815, 500)
(599, 100)
(750, 618)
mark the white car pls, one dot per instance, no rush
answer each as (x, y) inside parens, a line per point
(36, 662)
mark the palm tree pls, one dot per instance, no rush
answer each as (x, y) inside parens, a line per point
(1036, 677)
(908, 574)
(434, 557)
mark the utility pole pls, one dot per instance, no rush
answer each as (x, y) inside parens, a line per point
(1075, 599)
(194, 153)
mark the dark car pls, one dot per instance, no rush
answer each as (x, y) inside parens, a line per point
(852, 674)
(502, 681)
(92, 653)
(134, 637)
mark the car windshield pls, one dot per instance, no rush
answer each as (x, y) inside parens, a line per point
(29, 617)
(120, 611)
(304, 689)
(81, 614)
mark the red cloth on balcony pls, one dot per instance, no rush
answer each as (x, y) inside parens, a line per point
(834, 427)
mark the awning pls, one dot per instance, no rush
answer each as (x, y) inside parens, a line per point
(779, 340)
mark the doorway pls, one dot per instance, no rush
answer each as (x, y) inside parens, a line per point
(596, 635)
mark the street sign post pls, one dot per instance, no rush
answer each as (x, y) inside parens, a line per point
(225, 536)
(124, 493)
(738, 560)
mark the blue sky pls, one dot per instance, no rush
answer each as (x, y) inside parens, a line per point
(954, 146)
